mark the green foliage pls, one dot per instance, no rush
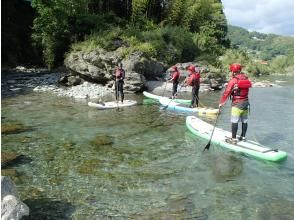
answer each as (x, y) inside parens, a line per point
(257, 69)
(50, 26)
(164, 44)
(233, 56)
(171, 46)
(198, 26)
(176, 13)
(283, 64)
(205, 18)
(139, 11)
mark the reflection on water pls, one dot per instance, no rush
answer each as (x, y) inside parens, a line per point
(142, 163)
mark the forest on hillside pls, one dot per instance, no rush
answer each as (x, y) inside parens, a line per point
(264, 46)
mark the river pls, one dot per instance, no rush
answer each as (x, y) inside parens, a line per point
(142, 162)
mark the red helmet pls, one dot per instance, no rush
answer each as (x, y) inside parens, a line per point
(191, 68)
(235, 68)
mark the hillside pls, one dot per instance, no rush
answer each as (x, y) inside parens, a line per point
(263, 46)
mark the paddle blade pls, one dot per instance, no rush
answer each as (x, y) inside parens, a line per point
(164, 107)
(207, 147)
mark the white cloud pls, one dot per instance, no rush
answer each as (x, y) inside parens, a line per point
(266, 16)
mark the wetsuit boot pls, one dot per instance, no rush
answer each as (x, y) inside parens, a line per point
(244, 130)
(122, 97)
(233, 140)
(234, 129)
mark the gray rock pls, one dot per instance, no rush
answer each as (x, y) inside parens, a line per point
(11, 206)
(98, 66)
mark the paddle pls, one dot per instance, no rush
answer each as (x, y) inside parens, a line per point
(116, 93)
(164, 88)
(208, 144)
(165, 107)
(197, 97)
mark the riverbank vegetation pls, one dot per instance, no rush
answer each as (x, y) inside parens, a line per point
(262, 53)
(168, 31)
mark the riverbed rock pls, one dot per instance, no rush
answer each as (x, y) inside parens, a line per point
(226, 167)
(7, 157)
(13, 128)
(11, 206)
(101, 140)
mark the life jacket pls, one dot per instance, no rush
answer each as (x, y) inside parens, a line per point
(193, 79)
(119, 73)
(175, 76)
(241, 87)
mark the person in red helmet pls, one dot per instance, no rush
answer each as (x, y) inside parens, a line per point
(119, 82)
(174, 78)
(238, 88)
(193, 80)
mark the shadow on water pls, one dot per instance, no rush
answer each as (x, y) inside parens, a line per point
(48, 209)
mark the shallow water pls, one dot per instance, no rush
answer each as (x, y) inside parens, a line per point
(142, 163)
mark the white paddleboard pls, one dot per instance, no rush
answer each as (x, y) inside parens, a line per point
(252, 148)
(170, 104)
(110, 105)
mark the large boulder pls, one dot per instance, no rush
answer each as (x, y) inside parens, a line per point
(150, 69)
(11, 206)
(99, 65)
(95, 66)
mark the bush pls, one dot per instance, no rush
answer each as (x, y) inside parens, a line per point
(163, 44)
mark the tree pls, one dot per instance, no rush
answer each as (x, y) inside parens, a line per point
(51, 26)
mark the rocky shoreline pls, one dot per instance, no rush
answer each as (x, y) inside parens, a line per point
(40, 80)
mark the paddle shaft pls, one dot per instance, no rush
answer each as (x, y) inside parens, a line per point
(116, 93)
(165, 107)
(164, 88)
(208, 144)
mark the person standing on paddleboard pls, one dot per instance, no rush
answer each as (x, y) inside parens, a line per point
(193, 80)
(238, 88)
(174, 78)
(119, 82)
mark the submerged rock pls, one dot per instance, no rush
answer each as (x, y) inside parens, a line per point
(89, 166)
(11, 206)
(8, 157)
(13, 128)
(101, 140)
(226, 166)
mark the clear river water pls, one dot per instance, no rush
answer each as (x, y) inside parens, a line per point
(141, 162)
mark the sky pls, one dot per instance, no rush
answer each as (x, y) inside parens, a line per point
(265, 16)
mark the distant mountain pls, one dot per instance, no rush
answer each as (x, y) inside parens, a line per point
(262, 46)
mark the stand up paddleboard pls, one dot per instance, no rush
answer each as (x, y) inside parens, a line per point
(171, 105)
(251, 148)
(157, 97)
(114, 104)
